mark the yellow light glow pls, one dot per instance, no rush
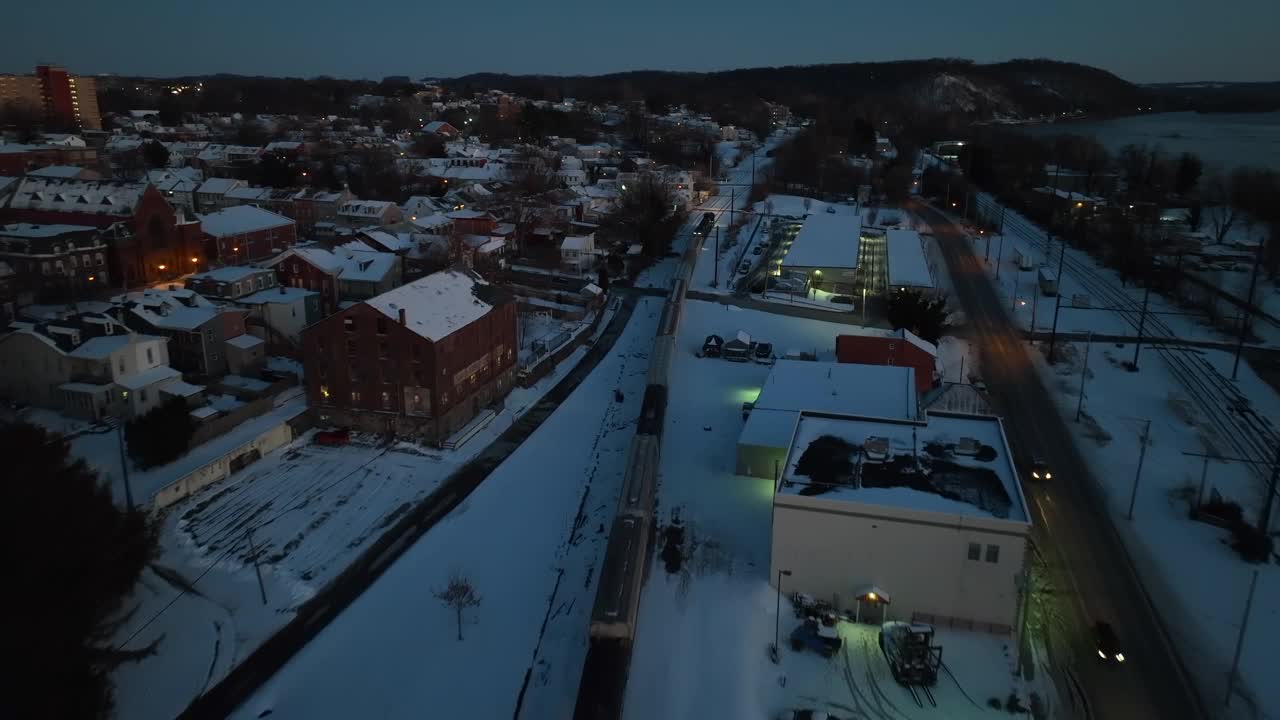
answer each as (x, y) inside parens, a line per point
(871, 596)
(1079, 204)
(160, 266)
(195, 259)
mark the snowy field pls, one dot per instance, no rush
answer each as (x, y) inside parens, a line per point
(704, 628)
(529, 539)
(1178, 559)
(311, 509)
(1082, 276)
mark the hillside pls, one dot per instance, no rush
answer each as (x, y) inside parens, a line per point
(1222, 96)
(1014, 89)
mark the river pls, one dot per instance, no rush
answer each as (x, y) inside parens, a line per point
(1223, 140)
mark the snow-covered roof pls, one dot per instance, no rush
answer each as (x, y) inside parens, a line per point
(219, 186)
(99, 348)
(582, 243)
(249, 193)
(203, 412)
(365, 208)
(285, 145)
(907, 264)
(365, 266)
(984, 484)
(147, 378)
(357, 246)
(279, 295)
(245, 341)
(387, 240)
(180, 388)
(230, 273)
(435, 306)
(241, 219)
(826, 240)
(34, 230)
(98, 197)
(58, 171)
(882, 391)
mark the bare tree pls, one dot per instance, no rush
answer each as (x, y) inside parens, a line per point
(459, 595)
(1219, 208)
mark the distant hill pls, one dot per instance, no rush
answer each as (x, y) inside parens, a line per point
(1014, 89)
(1222, 96)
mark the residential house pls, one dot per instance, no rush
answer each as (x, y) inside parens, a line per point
(442, 129)
(197, 329)
(148, 240)
(361, 213)
(337, 274)
(246, 234)
(50, 262)
(578, 252)
(18, 159)
(66, 172)
(212, 193)
(86, 365)
(422, 360)
(278, 316)
(179, 186)
(232, 282)
(473, 222)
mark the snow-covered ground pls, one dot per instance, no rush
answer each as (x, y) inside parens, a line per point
(704, 629)
(529, 539)
(312, 510)
(1082, 276)
(1179, 560)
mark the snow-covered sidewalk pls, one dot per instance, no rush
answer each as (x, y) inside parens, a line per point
(529, 538)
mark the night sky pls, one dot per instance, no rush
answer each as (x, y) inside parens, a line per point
(1140, 40)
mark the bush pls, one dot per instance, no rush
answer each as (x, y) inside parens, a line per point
(162, 435)
(1253, 545)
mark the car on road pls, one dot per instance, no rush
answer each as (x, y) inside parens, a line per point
(1108, 644)
(1040, 470)
(763, 353)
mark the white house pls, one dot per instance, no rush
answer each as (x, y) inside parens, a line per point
(577, 252)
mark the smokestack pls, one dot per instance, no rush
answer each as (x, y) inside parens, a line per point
(402, 317)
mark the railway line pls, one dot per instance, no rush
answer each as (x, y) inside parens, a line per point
(1238, 429)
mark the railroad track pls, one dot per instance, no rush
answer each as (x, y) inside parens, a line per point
(1239, 430)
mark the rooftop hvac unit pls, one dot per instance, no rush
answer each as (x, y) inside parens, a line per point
(876, 448)
(968, 446)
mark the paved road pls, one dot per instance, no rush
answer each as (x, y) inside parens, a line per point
(1085, 560)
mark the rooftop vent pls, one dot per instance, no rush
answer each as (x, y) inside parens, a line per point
(876, 448)
(968, 446)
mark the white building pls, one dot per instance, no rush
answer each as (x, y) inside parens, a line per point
(906, 520)
(908, 268)
(824, 253)
(577, 252)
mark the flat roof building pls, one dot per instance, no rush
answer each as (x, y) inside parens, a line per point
(907, 266)
(825, 252)
(917, 520)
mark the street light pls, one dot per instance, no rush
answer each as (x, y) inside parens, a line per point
(777, 616)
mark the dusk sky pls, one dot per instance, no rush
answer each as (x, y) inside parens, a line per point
(1140, 40)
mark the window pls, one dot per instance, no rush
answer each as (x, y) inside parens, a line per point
(215, 356)
(142, 394)
(84, 260)
(150, 358)
(386, 400)
(355, 397)
(321, 344)
(98, 258)
(351, 347)
(354, 374)
(122, 365)
(261, 282)
(993, 553)
(382, 326)
(417, 351)
(975, 551)
(383, 348)
(444, 398)
(349, 323)
(324, 393)
(236, 290)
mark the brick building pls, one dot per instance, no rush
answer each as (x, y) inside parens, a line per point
(901, 348)
(16, 159)
(245, 233)
(54, 262)
(148, 240)
(422, 360)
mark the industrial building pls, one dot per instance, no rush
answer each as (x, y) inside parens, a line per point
(824, 254)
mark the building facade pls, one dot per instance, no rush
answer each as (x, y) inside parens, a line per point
(422, 360)
(54, 262)
(61, 98)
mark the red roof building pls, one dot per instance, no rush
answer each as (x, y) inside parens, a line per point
(902, 348)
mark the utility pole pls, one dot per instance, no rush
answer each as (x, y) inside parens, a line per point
(1142, 321)
(1084, 375)
(732, 201)
(1142, 454)
(1057, 304)
(715, 281)
(753, 167)
(253, 552)
(777, 616)
(1264, 522)
(1244, 624)
(1000, 255)
(1248, 309)
(124, 467)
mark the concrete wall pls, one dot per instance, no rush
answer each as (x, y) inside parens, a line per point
(274, 437)
(919, 559)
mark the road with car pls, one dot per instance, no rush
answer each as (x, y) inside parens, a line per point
(1090, 578)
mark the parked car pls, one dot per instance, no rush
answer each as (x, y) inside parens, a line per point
(757, 250)
(817, 636)
(341, 436)
(841, 300)
(745, 267)
(712, 346)
(1108, 644)
(763, 353)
